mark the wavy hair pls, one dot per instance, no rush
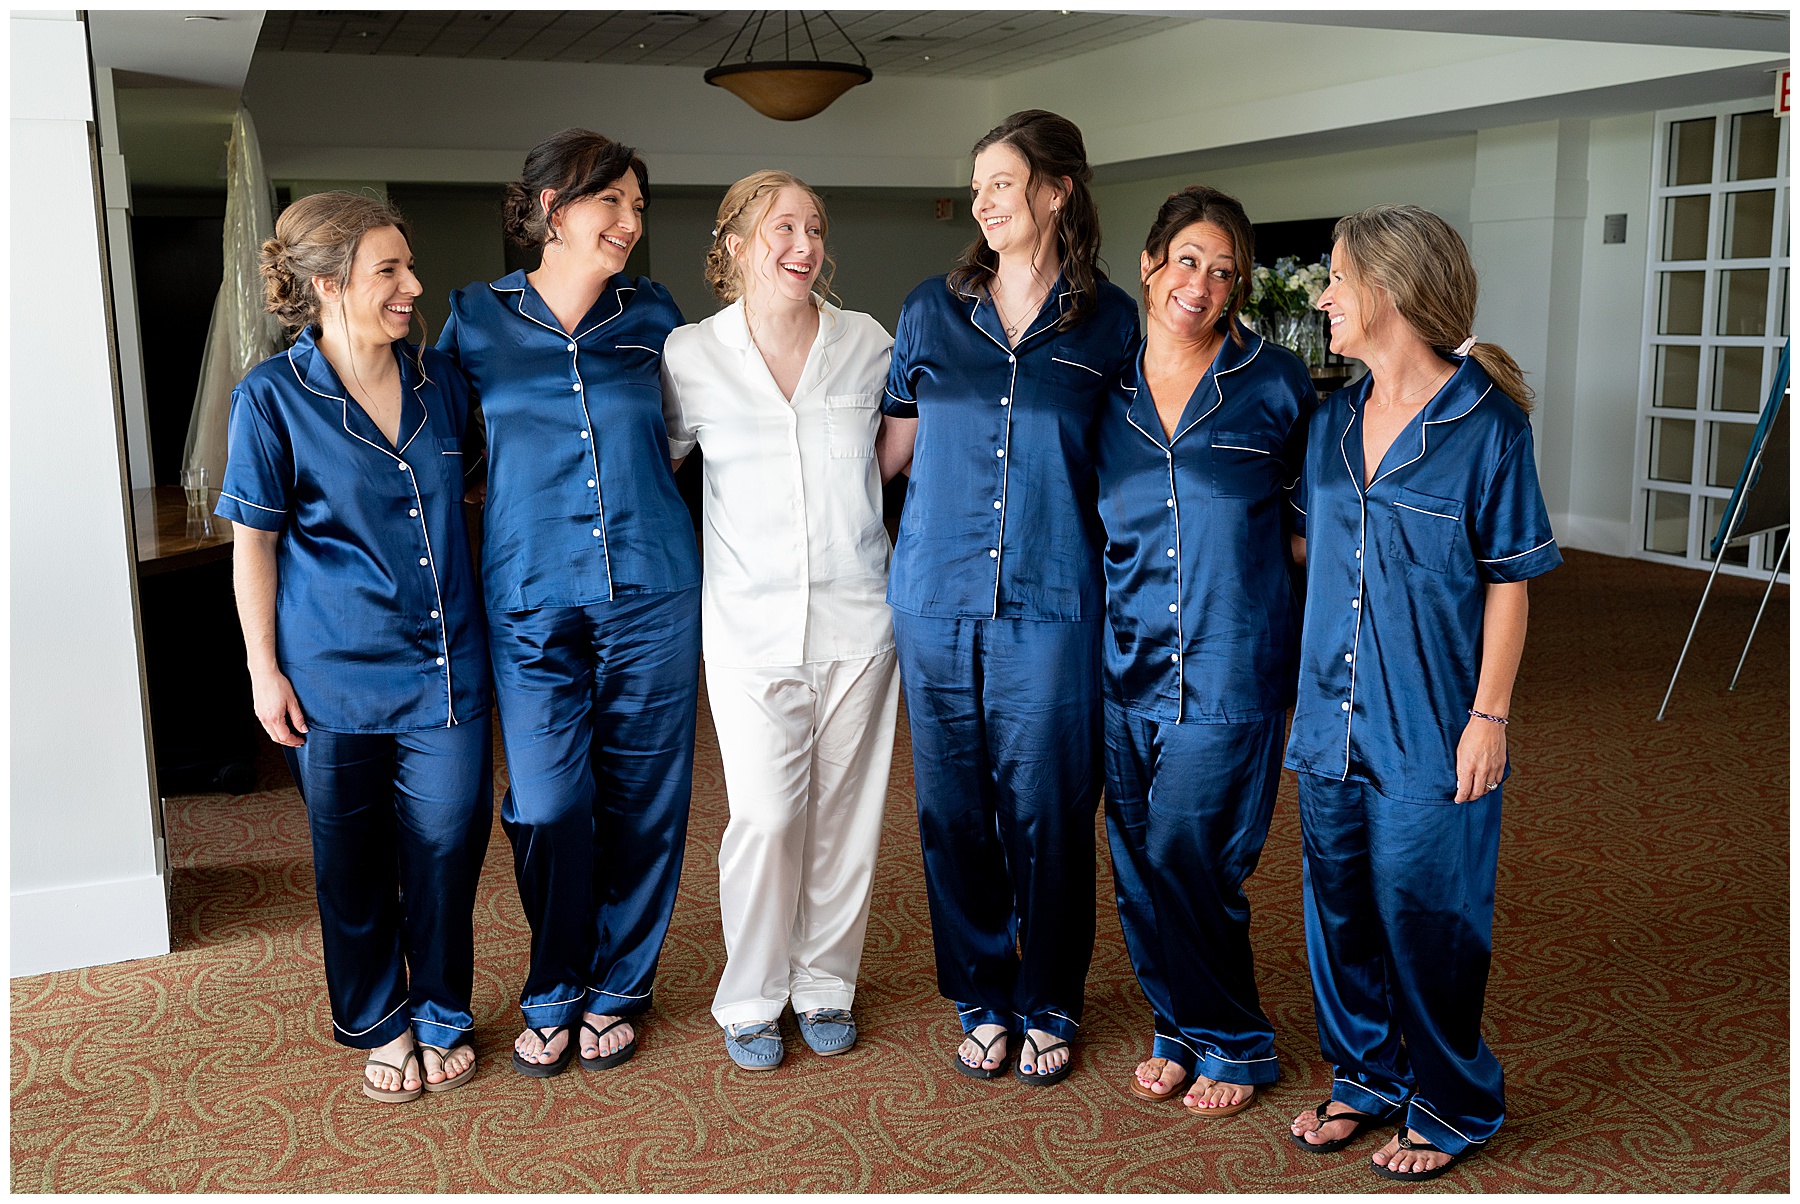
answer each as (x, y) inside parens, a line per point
(575, 164)
(317, 236)
(745, 205)
(1415, 257)
(1052, 148)
(1198, 203)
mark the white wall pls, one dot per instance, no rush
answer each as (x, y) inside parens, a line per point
(86, 881)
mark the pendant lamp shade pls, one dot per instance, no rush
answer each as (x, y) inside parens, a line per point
(788, 88)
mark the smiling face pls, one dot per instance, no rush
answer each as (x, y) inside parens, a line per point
(598, 231)
(782, 259)
(377, 304)
(1015, 217)
(1353, 309)
(1188, 295)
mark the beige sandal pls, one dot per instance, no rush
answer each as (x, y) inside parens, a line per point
(452, 1082)
(1223, 1110)
(395, 1097)
(1144, 1093)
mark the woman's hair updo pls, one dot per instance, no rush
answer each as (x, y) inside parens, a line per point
(317, 236)
(745, 205)
(1052, 148)
(1415, 257)
(1198, 203)
(576, 164)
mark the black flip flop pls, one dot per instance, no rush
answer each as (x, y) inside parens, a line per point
(1049, 1077)
(547, 1070)
(1363, 1121)
(1425, 1147)
(617, 1056)
(976, 1072)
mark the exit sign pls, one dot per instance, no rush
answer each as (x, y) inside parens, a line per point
(944, 208)
(1781, 93)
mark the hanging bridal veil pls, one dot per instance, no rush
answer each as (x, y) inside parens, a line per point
(241, 335)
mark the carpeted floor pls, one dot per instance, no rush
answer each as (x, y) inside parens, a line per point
(1638, 1002)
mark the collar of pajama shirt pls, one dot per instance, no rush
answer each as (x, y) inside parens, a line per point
(581, 505)
(377, 621)
(1396, 579)
(999, 519)
(796, 553)
(1202, 616)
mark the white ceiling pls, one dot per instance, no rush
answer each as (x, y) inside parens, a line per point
(212, 49)
(1748, 29)
(963, 42)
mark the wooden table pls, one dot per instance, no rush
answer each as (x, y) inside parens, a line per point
(166, 541)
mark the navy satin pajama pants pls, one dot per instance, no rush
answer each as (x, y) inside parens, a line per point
(1187, 812)
(1399, 902)
(400, 825)
(597, 707)
(1005, 717)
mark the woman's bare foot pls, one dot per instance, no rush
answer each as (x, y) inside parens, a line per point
(440, 1065)
(970, 1050)
(1210, 1093)
(1308, 1127)
(611, 1043)
(1409, 1162)
(1055, 1059)
(394, 1054)
(1160, 1075)
(531, 1047)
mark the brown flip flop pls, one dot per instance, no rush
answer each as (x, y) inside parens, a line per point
(1144, 1093)
(454, 1081)
(401, 1096)
(1222, 1112)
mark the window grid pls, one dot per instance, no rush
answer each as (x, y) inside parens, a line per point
(1702, 501)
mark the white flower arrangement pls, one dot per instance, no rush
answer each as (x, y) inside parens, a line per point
(1283, 305)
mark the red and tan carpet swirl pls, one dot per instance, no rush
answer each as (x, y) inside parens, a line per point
(1639, 997)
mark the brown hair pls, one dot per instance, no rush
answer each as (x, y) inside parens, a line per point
(741, 212)
(317, 235)
(575, 164)
(1052, 148)
(1198, 203)
(1415, 257)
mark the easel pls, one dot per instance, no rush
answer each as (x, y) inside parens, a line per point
(1740, 499)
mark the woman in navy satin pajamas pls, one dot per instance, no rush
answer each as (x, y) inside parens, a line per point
(1422, 521)
(1203, 623)
(592, 575)
(997, 595)
(367, 652)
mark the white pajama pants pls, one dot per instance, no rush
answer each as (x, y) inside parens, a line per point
(806, 751)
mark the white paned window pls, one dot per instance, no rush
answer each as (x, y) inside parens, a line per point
(1715, 317)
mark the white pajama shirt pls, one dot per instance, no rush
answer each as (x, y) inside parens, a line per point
(798, 643)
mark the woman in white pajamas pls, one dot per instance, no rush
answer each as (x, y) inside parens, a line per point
(780, 390)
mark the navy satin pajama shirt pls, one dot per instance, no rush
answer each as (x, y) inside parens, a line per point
(1399, 880)
(592, 577)
(1202, 637)
(997, 600)
(379, 629)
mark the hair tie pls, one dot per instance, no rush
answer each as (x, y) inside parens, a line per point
(1466, 345)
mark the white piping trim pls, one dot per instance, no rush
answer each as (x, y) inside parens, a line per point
(1012, 400)
(340, 1028)
(1057, 359)
(1296, 505)
(1362, 536)
(1178, 1041)
(1059, 1016)
(1238, 1061)
(1414, 1102)
(1497, 560)
(634, 347)
(461, 1028)
(1240, 447)
(616, 994)
(1220, 389)
(234, 497)
(556, 1003)
(1423, 423)
(1365, 1087)
(1433, 513)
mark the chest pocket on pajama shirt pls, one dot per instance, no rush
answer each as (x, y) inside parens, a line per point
(1243, 465)
(1425, 529)
(850, 425)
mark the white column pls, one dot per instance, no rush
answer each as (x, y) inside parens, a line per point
(1527, 213)
(115, 188)
(87, 885)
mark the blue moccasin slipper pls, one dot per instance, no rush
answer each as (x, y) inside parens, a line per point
(827, 1031)
(755, 1046)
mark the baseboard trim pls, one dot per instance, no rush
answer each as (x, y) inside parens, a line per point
(1605, 535)
(91, 924)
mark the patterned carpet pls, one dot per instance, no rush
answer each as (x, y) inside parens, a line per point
(1639, 996)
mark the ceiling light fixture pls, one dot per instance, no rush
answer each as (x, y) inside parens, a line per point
(787, 89)
(202, 17)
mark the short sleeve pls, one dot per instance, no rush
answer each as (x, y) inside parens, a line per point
(899, 401)
(259, 467)
(1513, 540)
(1293, 452)
(681, 435)
(466, 400)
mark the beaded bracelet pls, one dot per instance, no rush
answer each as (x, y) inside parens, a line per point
(1489, 718)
